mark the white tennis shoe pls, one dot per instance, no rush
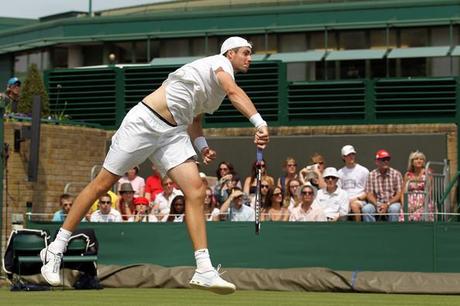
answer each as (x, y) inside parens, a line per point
(51, 266)
(211, 280)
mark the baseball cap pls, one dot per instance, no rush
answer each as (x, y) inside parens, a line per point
(348, 149)
(141, 201)
(331, 171)
(382, 154)
(14, 81)
(234, 42)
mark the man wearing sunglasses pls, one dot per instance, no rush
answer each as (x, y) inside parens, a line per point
(383, 189)
(106, 213)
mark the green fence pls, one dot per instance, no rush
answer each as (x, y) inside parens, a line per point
(423, 247)
(104, 95)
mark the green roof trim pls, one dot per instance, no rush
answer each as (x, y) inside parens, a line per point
(296, 57)
(361, 54)
(419, 52)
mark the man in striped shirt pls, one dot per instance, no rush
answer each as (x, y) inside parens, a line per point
(383, 188)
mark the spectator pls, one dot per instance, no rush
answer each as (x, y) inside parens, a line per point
(291, 198)
(273, 209)
(383, 189)
(142, 211)
(414, 186)
(333, 200)
(250, 181)
(353, 178)
(65, 202)
(238, 211)
(153, 184)
(223, 169)
(290, 172)
(125, 204)
(113, 198)
(163, 200)
(305, 211)
(176, 213)
(264, 187)
(137, 182)
(313, 173)
(105, 213)
(11, 95)
(210, 210)
(229, 181)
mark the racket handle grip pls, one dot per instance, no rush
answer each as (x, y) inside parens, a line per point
(259, 155)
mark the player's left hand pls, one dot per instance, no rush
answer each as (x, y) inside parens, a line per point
(261, 138)
(208, 155)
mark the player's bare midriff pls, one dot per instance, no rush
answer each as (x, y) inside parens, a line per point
(157, 101)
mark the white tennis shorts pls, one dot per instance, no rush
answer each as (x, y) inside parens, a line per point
(143, 134)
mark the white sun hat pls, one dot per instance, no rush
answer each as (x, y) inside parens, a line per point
(331, 171)
(234, 42)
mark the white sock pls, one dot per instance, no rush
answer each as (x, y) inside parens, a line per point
(203, 261)
(59, 245)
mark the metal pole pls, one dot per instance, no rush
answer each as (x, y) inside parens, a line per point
(90, 9)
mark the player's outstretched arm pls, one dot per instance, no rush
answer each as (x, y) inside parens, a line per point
(244, 105)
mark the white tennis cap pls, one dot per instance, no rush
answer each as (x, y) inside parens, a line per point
(234, 42)
(331, 171)
(348, 149)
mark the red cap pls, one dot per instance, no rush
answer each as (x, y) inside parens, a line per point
(382, 154)
(141, 201)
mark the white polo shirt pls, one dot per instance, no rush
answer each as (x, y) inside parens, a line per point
(333, 204)
(245, 213)
(163, 204)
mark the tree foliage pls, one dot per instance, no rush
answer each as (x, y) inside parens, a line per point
(33, 86)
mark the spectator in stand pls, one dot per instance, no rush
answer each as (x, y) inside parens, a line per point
(142, 211)
(250, 181)
(162, 204)
(65, 202)
(125, 204)
(210, 210)
(153, 184)
(264, 187)
(273, 209)
(383, 189)
(305, 211)
(113, 197)
(223, 169)
(313, 173)
(11, 95)
(177, 211)
(229, 181)
(105, 213)
(291, 198)
(333, 200)
(290, 172)
(235, 208)
(137, 182)
(414, 185)
(353, 178)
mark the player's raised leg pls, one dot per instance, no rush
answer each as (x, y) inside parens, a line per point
(206, 277)
(52, 255)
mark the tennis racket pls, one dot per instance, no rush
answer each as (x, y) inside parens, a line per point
(259, 157)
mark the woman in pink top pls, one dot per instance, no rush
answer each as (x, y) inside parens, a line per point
(137, 182)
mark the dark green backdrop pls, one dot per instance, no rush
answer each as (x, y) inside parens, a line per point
(423, 247)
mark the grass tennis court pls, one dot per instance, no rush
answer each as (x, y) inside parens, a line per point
(125, 296)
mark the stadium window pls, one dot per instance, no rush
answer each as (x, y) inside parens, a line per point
(263, 43)
(140, 51)
(353, 40)
(413, 37)
(352, 69)
(413, 67)
(92, 55)
(379, 40)
(59, 57)
(175, 47)
(198, 46)
(294, 42)
(124, 52)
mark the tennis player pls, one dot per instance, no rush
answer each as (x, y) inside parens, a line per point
(161, 128)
